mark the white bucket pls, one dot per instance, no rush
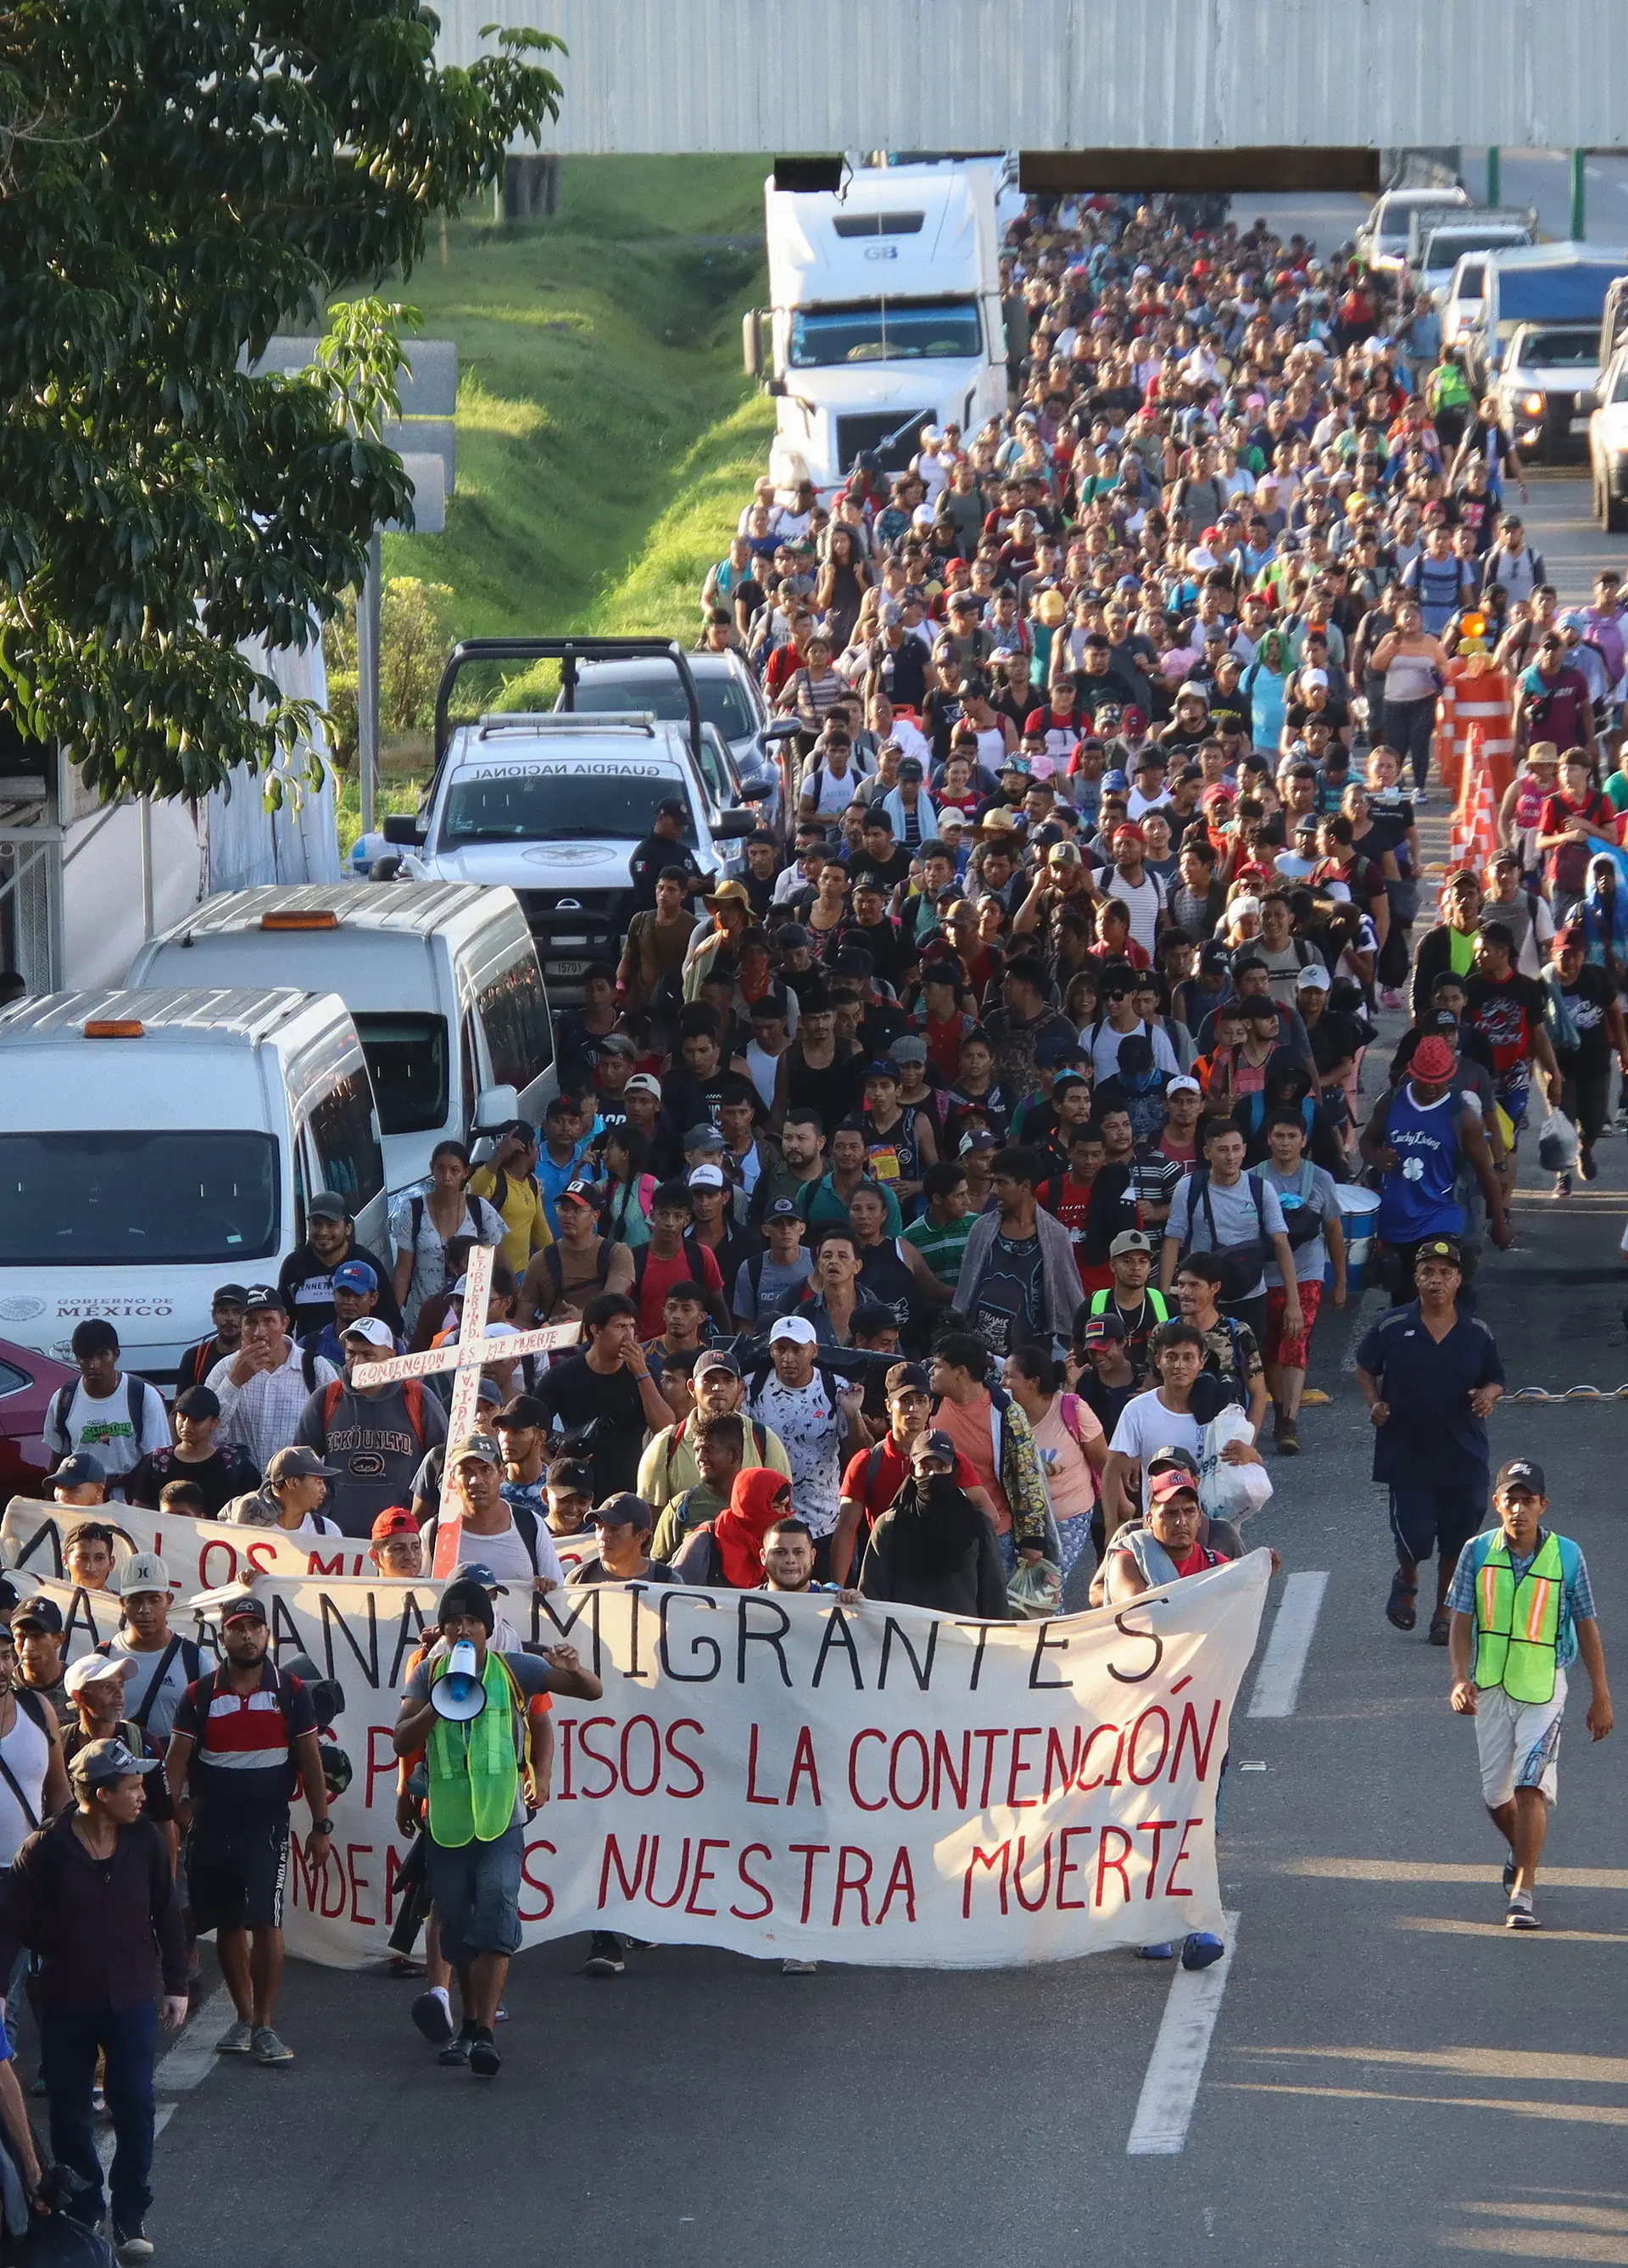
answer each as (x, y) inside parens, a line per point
(1359, 1211)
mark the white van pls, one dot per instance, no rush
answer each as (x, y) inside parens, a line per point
(154, 1145)
(442, 981)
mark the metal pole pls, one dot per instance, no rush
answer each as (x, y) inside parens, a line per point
(367, 683)
(144, 814)
(1494, 173)
(1579, 187)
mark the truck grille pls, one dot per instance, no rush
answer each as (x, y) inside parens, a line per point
(899, 429)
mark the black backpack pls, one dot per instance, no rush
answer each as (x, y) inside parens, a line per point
(556, 1272)
(135, 1402)
(192, 1664)
(693, 1249)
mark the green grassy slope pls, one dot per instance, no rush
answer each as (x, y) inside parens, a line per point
(606, 433)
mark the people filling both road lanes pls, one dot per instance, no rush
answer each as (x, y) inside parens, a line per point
(951, 1191)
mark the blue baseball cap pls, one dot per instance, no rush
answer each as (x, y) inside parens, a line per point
(1115, 782)
(355, 1276)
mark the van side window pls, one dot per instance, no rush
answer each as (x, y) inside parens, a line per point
(513, 1009)
(342, 1129)
(717, 781)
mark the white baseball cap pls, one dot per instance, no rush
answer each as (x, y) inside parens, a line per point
(1313, 977)
(1182, 1084)
(705, 1177)
(374, 1329)
(796, 1330)
(91, 1668)
(142, 1571)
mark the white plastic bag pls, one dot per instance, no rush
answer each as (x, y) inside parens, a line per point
(1556, 1143)
(1230, 1492)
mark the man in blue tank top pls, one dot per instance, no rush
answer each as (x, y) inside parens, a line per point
(1417, 1140)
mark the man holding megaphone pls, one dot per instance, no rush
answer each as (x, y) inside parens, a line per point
(467, 1707)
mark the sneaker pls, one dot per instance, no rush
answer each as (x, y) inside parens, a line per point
(1587, 1166)
(237, 2039)
(1288, 1437)
(1562, 1186)
(99, 2102)
(799, 1969)
(432, 2015)
(131, 2242)
(1420, 800)
(604, 1955)
(402, 1964)
(1519, 1915)
(1509, 1876)
(1390, 998)
(1440, 1627)
(1156, 1953)
(484, 2060)
(1201, 1949)
(456, 2050)
(500, 2015)
(268, 2048)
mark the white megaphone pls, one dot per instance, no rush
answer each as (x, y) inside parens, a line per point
(461, 1693)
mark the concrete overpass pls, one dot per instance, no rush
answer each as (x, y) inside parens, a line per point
(785, 76)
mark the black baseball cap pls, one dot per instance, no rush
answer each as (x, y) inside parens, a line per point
(781, 1208)
(229, 1295)
(264, 1299)
(572, 1473)
(1441, 1247)
(1101, 1330)
(40, 1615)
(1521, 1473)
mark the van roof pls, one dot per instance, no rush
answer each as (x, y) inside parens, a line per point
(412, 909)
(193, 1015)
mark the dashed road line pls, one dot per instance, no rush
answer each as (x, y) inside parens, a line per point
(1277, 1681)
(1176, 2068)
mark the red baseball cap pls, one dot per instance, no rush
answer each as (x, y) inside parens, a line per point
(1129, 832)
(1434, 1061)
(1173, 1482)
(395, 1519)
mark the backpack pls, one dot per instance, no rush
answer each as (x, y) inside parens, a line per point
(203, 1691)
(415, 1209)
(1241, 1264)
(691, 1245)
(192, 1663)
(411, 1393)
(1300, 1223)
(135, 1402)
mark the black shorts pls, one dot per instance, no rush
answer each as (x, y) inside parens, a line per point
(235, 1874)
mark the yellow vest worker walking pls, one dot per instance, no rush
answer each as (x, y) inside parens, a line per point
(1521, 1612)
(481, 1776)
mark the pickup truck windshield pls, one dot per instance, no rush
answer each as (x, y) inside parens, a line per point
(548, 803)
(168, 1199)
(724, 701)
(889, 330)
(1564, 349)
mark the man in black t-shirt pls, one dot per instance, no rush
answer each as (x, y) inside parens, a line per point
(610, 1386)
(1588, 1002)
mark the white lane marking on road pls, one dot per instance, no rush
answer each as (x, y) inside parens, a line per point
(192, 2057)
(1171, 2084)
(1276, 1682)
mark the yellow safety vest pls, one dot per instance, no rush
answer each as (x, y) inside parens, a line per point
(1517, 1625)
(474, 1768)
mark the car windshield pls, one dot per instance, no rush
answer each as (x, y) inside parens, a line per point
(724, 701)
(886, 331)
(564, 802)
(1568, 350)
(172, 1197)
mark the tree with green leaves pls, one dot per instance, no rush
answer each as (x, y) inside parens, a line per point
(178, 180)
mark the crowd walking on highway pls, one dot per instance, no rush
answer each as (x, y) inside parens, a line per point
(948, 1195)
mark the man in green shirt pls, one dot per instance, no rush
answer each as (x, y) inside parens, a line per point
(940, 1236)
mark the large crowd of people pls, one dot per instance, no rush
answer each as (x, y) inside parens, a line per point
(948, 1195)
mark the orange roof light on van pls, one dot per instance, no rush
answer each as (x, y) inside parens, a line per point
(115, 1027)
(327, 920)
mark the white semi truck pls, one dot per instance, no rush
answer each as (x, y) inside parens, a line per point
(885, 316)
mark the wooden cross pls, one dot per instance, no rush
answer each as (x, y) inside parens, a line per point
(466, 1355)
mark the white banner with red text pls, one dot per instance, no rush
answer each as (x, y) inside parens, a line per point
(787, 1776)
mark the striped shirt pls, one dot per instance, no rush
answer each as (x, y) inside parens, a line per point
(244, 1761)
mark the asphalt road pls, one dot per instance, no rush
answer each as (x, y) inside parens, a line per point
(1391, 2078)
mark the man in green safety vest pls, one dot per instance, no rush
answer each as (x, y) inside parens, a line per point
(1522, 1593)
(483, 1774)
(1142, 1308)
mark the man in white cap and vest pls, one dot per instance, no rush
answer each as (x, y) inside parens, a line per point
(1522, 1613)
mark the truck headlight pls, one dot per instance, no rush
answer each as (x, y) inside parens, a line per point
(1533, 404)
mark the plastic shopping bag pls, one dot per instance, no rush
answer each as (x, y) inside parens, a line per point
(1556, 1143)
(1230, 1492)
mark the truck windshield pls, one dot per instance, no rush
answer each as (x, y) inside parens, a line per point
(886, 330)
(168, 1199)
(724, 700)
(406, 1062)
(1568, 350)
(556, 804)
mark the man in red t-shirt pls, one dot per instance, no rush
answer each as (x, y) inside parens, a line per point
(1067, 1197)
(875, 1477)
(1574, 823)
(674, 1254)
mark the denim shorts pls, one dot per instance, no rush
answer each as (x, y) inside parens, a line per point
(476, 1891)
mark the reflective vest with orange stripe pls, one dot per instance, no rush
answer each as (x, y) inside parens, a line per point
(1517, 1625)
